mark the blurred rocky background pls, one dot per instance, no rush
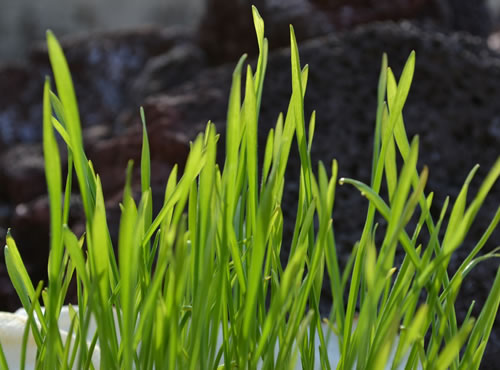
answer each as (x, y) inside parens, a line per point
(179, 67)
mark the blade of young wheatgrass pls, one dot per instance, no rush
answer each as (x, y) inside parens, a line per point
(262, 59)
(76, 254)
(390, 169)
(250, 117)
(59, 121)
(452, 349)
(303, 295)
(3, 359)
(406, 272)
(175, 286)
(316, 266)
(145, 156)
(296, 109)
(475, 205)
(312, 282)
(203, 246)
(74, 249)
(22, 283)
(268, 157)
(391, 313)
(298, 91)
(312, 127)
(442, 278)
(401, 210)
(327, 193)
(401, 95)
(381, 91)
(30, 322)
(146, 182)
(470, 262)
(233, 178)
(61, 131)
(482, 329)
(166, 235)
(279, 305)
(411, 334)
(404, 144)
(128, 254)
(195, 162)
(165, 224)
(72, 120)
(331, 254)
(289, 129)
(260, 236)
(233, 123)
(465, 223)
(405, 300)
(381, 357)
(438, 262)
(458, 210)
(69, 344)
(55, 269)
(385, 211)
(252, 224)
(203, 201)
(99, 246)
(399, 130)
(140, 275)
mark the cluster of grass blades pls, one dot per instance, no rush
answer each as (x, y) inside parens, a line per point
(200, 285)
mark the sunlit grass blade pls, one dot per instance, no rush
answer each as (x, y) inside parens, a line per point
(3, 359)
(128, 254)
(262, 60)
(145, 156)
(382, 86)
(452, 349)
(482, 330)
(67, 95)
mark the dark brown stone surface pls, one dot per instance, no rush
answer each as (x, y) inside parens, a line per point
(102, 66)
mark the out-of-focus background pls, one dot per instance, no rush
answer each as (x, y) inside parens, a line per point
(24, 21)
(176, 57)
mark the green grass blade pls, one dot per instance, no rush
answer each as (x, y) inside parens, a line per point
(145, 156)
(3, 359)
(54, 179)
(382, 86)
(128, 254)
(452, 349)
(72, 119)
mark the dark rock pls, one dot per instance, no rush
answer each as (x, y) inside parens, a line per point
(22, 173)
(101, 66)
(227, 30)
(346, 13)
(471, 16)
(162, 72)
(30, 228)
(452, 15)
(110, 156)
(20, 105)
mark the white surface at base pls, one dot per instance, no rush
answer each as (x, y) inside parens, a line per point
(12, 326)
